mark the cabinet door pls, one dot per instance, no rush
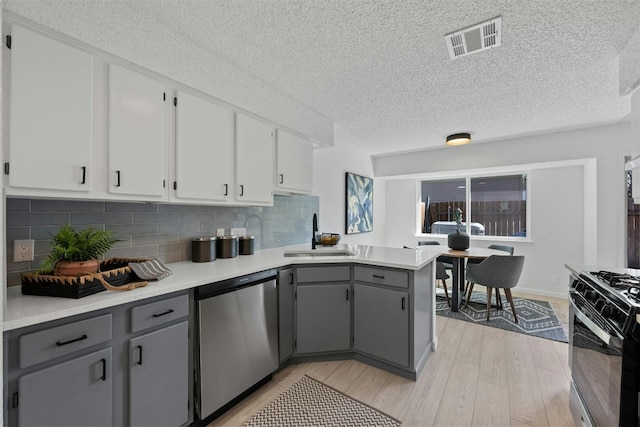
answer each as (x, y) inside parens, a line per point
(323, 318)
(381, 323)
(294, 163)
(137, 136)
(204, 149)
(285, 313)
(254, 160)
(159, 377)
(50, 113)
(73, 393)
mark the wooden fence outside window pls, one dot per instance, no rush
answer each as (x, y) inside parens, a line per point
(499, 218)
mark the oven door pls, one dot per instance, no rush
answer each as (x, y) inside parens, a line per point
(596, 364)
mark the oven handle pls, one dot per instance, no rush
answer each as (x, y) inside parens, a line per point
(608, 339)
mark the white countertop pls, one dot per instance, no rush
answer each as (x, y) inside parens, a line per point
(26, 310)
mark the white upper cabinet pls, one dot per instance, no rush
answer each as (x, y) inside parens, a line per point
(255, 158)
(204, 149)
(137, 135)
(294, 163)
(50, 114)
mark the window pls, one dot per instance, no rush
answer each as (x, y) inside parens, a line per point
(497, 205)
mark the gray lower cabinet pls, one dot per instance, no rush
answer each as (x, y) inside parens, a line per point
(125, 365)
(158, 377)
(74, 393)
(285, 313)
(381, 323)
(323, 318)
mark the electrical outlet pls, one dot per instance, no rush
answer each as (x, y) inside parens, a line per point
(554, 280)
(240, 231)
(220, 232)
(23, 250)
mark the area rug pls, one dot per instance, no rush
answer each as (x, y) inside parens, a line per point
(535, 318)
(308, 402)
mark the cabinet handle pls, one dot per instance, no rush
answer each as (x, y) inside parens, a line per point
(139, 362)
(226, 190)
(104, 369)
(241, 190)
(164, 313)
(403, 303)
(377, 276)
(291, 278)
(281, 178)
(84, 175)
(61, 343)
(117, 178)
(347, 294)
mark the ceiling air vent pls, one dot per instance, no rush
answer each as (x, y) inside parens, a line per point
(476, 38)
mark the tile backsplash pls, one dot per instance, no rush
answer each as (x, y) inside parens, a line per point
(153, 230)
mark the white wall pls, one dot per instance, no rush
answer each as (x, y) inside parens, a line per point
(329, 168)
(577, 210)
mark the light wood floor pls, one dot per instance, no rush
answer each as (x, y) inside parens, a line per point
(479, 376)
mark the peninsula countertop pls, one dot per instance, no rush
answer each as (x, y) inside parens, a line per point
(25, 310)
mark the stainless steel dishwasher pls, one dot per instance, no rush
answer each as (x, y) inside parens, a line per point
(237, 322)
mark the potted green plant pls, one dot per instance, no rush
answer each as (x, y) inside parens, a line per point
(458, 240)
(75, 253)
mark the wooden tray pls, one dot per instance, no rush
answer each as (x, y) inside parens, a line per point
(115, 271)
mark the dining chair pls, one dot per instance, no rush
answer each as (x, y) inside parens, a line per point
(497, 272)
(441, 270)
(447, 261)
(468, 289)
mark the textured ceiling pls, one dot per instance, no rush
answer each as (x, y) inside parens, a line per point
(380, 70)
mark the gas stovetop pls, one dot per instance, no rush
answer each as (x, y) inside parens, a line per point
(624, 285)
(614, 296)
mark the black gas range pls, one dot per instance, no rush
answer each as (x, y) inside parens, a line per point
(605, 347)
(614, 295)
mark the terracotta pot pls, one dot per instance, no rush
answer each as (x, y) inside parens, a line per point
(458, 241)
(76, 268)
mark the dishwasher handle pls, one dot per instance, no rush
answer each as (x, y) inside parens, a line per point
(224, 286)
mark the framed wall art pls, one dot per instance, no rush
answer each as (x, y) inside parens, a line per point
(359, 204)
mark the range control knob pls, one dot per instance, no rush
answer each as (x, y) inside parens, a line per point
(608, 311)
(591, 295)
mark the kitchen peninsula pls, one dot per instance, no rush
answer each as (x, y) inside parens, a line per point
(386, 298)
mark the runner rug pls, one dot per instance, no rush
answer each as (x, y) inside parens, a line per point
(535, 318)
(310, 403)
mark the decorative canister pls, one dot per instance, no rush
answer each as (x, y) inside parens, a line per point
(227, 246)
(247, 244)
(203, 249)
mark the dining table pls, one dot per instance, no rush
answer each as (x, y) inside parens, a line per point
(458, 260)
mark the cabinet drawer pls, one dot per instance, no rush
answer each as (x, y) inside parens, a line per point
(341, 273)
(61, 340)
(380, 276)
(159, 312)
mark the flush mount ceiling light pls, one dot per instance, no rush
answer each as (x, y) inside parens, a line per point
(459, 139)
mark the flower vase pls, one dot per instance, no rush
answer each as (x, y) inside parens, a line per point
(458, 241)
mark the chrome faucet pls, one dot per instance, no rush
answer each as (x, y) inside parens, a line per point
(314, 231)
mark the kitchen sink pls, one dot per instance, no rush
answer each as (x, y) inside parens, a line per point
(318, 253)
